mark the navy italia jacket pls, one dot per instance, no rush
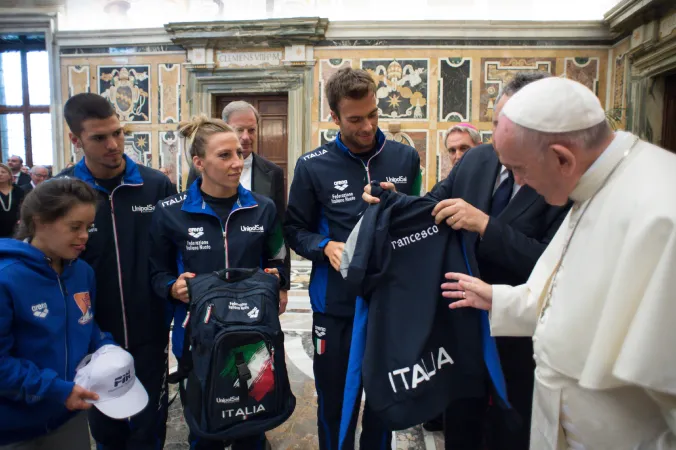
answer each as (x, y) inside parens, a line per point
(188, 236)
(411, 352)
(118, 250)
(325, 204)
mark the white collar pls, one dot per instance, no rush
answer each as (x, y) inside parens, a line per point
(248, 161)
(594, 177)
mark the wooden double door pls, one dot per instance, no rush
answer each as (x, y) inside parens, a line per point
(272, 140)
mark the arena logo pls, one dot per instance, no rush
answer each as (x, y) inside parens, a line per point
(340, 185)
(40, 310)
(196, 232)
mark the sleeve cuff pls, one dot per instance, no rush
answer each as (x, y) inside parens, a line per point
(511, 314)
(60, 390)
(324, 242)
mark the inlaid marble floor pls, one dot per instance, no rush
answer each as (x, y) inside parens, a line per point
(300, 431)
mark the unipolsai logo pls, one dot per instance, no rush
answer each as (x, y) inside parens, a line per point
(196, 232)
(227, 401)
(253, 228)
(143, 209)
(340, 185)
(397, 180)
(122, 379)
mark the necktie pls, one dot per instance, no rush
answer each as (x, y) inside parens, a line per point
(502, 195)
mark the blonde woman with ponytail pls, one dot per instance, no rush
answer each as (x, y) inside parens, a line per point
(215, 224)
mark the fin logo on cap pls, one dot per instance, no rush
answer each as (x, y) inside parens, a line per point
(123, 379)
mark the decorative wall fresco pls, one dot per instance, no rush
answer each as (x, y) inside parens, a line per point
(169, 88)
(495, 72)
(328, 67)
(126, 88)
(138, 147)
(78, 80)
(455, 89)
(583, 70)
(401, 87)
(170, 154)
(326, 136)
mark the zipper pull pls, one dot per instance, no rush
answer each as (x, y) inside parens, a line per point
(207, 316)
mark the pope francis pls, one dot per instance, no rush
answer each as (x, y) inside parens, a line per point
(601, 300)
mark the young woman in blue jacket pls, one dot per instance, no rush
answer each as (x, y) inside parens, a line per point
(216, 224)
(47, 320)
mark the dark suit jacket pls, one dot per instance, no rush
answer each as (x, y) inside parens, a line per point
(267, 179)
(513, 241)
(27, 188)
(23, 179)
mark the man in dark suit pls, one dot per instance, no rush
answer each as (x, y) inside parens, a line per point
(507, 227)
(38, 174)
(258, 175)
(15, 163)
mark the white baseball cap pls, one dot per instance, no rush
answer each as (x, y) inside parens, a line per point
(109, 372)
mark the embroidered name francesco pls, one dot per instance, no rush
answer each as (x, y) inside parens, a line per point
(414, 237)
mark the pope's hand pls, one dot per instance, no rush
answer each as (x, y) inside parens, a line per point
(370, 199)
(471, 291)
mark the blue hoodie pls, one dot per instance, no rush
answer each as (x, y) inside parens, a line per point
(46, 328)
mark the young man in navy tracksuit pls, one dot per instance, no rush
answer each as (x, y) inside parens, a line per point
(324, 206)
(118, 250)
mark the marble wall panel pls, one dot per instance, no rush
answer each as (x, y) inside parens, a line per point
(455, 89)
(328, 67)
(78, 80)
(401, 87)
(171, 154)
(137, 145)
(169, 93)
(496, 72)
(443, 158)
(584, 71)
(127, 89)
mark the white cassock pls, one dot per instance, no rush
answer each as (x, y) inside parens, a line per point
(605, 344)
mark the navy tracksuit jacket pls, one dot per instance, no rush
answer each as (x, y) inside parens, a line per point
(325, 204)
(396, 259)
(188, 236)
(118, 250)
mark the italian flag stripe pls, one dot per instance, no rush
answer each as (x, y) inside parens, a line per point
(259, 361)
(276, 248)
(320, 345)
